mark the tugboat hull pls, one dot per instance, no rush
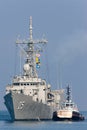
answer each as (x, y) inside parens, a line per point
(76, 116)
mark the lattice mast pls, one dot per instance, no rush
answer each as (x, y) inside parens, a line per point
(68, 94)
(30, 63)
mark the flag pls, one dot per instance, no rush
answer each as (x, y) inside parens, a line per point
(38, 55)
(37, 66)
(37, 60)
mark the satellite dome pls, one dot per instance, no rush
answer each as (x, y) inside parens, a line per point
(26, 67)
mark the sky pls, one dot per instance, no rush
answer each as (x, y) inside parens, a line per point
(64, 25)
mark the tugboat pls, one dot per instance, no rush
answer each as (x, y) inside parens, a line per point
(68, 110)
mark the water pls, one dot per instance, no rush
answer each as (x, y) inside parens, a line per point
(6, 124)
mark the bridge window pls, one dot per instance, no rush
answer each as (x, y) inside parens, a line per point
(16, 84)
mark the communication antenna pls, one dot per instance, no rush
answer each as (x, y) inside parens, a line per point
(59, 77)
(30, 51)
(30, 29)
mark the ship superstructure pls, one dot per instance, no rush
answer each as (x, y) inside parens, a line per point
(30, 97)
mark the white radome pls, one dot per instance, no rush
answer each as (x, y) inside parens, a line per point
(26, 67)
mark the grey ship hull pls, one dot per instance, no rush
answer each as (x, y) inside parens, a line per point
(22, 107)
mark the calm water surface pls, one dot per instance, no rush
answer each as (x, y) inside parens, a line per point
(6, 124)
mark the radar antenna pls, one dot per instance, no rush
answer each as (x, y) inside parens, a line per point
(30, 63)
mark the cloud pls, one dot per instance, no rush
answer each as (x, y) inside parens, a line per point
(72, 46)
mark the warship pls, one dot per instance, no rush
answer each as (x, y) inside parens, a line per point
(30, 97)
(68, 110)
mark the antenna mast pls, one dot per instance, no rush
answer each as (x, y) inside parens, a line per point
(30, 63)
(30, 29)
